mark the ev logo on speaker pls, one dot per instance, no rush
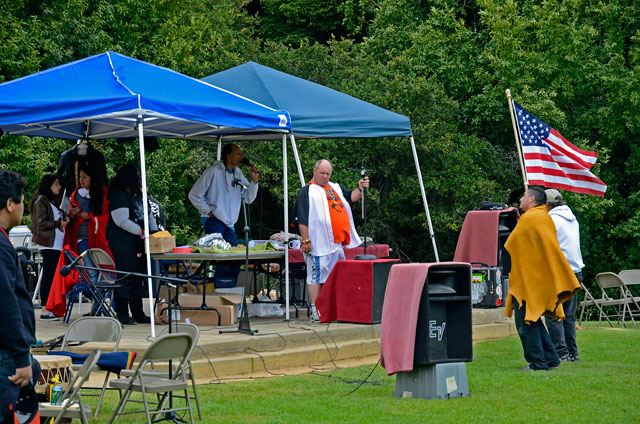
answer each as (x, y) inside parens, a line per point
(436, 331)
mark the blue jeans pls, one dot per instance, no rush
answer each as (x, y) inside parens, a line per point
(563, 333)
(8, 368)
(536, 342)
(224, 275)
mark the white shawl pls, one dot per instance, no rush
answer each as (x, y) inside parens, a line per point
(320, 231)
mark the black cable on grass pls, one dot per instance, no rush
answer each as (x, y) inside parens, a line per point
(365, 380)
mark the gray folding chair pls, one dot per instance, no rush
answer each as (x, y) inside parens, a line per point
(192, 330)
(72, 405)
(631, 277)
(170, 347)
(589, 300)
(94, 329)
(614, 296)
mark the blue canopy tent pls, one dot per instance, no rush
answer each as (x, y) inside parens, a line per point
(318, 112)
(113, 96)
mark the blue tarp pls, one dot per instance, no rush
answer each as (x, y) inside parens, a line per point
(316, 111)
(101, 97)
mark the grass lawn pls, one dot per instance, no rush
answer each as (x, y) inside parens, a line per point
(604, 387)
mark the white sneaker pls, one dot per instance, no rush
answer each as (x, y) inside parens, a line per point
(315, 317)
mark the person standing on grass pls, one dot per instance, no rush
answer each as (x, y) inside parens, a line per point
(18, 329)
(323, 213)
(563, 333)
(539, 281)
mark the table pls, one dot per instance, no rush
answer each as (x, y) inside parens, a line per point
(380, 250)
(354, 291)
(256, 258)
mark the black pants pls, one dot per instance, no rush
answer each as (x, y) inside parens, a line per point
(50, 259)
(128, 258)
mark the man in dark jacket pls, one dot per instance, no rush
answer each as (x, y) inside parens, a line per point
(17, 328)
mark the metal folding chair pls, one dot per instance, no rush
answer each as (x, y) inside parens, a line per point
(176, 328)
(614, 294)
(589, 300)
(72, 405)
(94, 329)
(99, 292)
(631, 277)
(170, 347)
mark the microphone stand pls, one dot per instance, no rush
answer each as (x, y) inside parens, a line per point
(171, 415)
(244, 326)
(365, 256)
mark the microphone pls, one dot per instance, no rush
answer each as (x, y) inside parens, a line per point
(245, 161)
(239, 183)
(66, 270)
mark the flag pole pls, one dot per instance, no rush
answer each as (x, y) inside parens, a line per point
(515, 133)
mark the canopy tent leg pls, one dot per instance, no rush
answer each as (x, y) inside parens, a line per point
(295, 154)
(219, 148)
(286, 224)
(424, 198)
(145, 206)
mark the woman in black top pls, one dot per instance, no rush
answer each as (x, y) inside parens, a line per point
(126, 241)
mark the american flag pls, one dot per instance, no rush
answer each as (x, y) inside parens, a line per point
(551, 161)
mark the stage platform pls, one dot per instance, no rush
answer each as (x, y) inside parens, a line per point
(280, 347)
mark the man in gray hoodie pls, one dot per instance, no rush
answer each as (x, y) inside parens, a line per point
(563, 333)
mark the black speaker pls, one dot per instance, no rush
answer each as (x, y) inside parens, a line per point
(443, 330)
(380, 275)
(506, 223)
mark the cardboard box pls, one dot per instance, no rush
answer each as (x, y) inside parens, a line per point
(161, 244)
(223, 302)
(199, 317)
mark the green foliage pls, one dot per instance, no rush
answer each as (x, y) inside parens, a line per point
(444, 63)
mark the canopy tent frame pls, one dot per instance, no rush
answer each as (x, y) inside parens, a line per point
(316, 112)
(49, 104)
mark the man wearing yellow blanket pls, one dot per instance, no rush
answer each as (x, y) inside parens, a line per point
(539, 281)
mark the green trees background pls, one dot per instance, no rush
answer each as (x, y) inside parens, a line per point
(444, 63)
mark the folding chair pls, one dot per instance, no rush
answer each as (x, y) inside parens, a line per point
(72, 405)
(611, 282)
(589, 300)
(90, 285)
(170, 347)
(94, 329)
(631, 277)
(192, 330)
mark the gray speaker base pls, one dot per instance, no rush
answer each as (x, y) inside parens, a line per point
(440, 381)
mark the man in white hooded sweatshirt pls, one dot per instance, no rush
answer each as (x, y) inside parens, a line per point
(218, 194)
(563, 333)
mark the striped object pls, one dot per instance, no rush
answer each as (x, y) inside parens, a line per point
(553, 162)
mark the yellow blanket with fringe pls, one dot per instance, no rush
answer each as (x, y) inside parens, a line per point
(540, 274)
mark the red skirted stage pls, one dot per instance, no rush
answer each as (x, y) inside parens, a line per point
(354, 291)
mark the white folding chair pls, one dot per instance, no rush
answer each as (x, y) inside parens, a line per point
(170, 347)
(94, 329)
